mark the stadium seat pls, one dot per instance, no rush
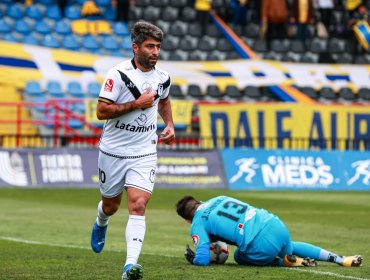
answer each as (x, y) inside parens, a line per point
(103, 3)
(364, 93)
(63, 27)
(297, 46)
(194, 92)
(310, 92)
(215, 55)
(233, 93)
(34, 12)
(347, 94)
(42, 27)
(179, 55)
(213, 31)
(4, 27)
(197, 55)
(90, 43)
(327, 93)
(54, 89)
(22, 27)
(176, 92)
(75, 90)
(195, 29)
(224, 45)
(110, 44)
(33, 89)
(160, 3)
(188, 43)
(179, 3)
(30, 39)
(259, 46)
(126, 43)
(170, 14)
(170, 43)
(39, 103)
(14, 11)
(50, 41)
(93, 89)
(178, 28)
(75, 124)
(343, 58)
(252, 92)
(309, 57)
(252, 30)
(207, 43)
(318, 46)
(151, 13)
(336, 45)
(188, 14)
(53, 12)
(280, 46)
(213, 92)
(73, 12)
(10, 37)
(46, 2)
(120, 29)
(71, 42)
(110, 14)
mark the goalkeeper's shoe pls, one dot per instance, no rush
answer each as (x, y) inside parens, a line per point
(294, 261)
(352, 261)
(132, 272)
(98, 238)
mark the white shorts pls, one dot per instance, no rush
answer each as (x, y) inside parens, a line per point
(119, 173)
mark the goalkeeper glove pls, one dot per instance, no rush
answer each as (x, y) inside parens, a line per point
(189, 254)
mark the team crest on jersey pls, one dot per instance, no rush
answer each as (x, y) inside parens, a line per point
(160, 89)
(108, 85)
(195, 239)
(146, 86)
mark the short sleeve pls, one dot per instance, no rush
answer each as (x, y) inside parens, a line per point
(111, 87)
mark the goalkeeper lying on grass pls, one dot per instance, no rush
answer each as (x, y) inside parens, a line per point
(261, 237)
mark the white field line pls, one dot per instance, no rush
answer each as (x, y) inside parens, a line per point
(19, 240)
(327, 273)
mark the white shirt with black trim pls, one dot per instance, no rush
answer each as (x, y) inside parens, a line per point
(132, 134)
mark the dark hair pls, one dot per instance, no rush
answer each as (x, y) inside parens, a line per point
(186, 206)
(143, 30)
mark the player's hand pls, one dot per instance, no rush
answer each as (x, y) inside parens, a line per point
(146, 100)
(168, 135)
(189, 254)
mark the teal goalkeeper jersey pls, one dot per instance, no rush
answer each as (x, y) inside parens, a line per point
(226, 219)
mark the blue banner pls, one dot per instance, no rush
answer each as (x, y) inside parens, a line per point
(284, 169)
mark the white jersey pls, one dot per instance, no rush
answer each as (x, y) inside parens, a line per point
(132, 134)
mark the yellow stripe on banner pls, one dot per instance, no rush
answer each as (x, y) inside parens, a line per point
(18, 77)
(298, 95)
(75, 58)
(218, 66)
(14, 50)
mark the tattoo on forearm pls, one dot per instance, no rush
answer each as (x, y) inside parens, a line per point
(123, 109)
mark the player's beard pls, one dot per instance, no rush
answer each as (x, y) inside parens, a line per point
(145, 60)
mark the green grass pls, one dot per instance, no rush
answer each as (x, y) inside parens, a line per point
(45, 234)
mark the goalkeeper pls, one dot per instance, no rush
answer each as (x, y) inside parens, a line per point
(261, 237)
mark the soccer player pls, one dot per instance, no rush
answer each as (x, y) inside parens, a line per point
(261, 237)
(132, 94)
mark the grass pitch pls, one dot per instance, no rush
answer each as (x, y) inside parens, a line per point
(45, 234)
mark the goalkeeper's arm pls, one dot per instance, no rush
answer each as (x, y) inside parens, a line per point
(202, 256)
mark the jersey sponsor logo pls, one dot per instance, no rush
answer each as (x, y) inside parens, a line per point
(108, 85)
(135, 128)
(195, 239)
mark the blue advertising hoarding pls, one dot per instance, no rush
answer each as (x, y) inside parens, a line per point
(292, 169)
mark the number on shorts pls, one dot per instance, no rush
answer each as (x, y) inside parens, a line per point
(102, 176)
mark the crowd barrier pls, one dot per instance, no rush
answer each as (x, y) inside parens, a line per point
(236, 169)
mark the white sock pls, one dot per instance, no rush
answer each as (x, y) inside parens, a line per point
(103, 219)
(135, 232)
